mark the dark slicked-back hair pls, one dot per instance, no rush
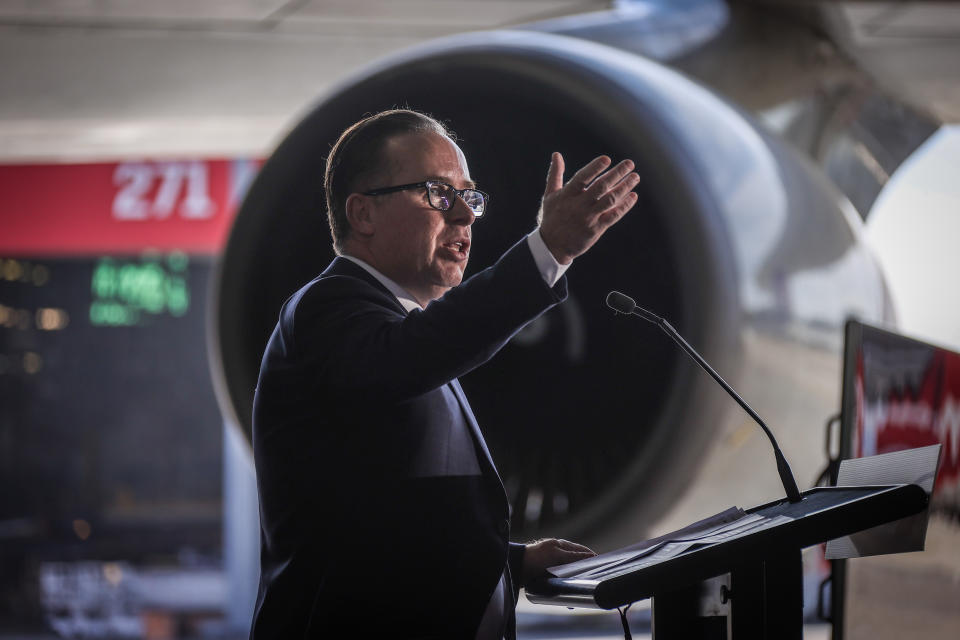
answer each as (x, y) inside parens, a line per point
(357, 158)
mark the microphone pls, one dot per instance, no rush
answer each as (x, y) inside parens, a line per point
(625, 304)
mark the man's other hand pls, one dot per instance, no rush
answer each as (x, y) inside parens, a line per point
(573, 216)
(550, 552)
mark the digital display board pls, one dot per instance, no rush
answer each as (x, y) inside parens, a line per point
(110, 434)
(131, 293)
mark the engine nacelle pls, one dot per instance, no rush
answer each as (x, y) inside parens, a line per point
(599, 423)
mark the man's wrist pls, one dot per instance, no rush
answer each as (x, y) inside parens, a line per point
(550, 268)
(554, 248)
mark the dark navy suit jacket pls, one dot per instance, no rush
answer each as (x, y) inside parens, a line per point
(373, 514)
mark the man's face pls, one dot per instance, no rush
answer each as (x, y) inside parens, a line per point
(422, 249)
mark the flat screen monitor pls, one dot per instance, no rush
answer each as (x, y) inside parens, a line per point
(900, 393)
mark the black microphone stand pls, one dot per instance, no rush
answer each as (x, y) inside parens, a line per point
(624, 304)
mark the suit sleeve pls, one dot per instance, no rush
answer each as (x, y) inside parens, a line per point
(352, 342)
(515, 555)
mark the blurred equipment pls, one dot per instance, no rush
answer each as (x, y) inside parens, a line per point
(116, 600)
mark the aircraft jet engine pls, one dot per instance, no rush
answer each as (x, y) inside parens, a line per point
(597, 421)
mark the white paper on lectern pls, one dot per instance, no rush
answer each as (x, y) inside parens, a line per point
(625, 555)
(911, 466)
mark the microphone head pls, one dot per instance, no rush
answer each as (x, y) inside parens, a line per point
(620, 303)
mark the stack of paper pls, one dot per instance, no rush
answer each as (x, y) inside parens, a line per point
(726, 524)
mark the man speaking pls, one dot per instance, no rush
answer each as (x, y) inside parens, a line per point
(382, 513)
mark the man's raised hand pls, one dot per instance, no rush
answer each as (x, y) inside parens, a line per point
(573, 216)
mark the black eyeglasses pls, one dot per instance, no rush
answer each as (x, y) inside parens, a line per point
(441, 195)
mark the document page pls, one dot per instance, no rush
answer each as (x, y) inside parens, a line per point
(910, 466)
(668, 545)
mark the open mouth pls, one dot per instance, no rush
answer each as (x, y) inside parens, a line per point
(460, 249)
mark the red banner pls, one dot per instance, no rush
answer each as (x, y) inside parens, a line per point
(120, 208)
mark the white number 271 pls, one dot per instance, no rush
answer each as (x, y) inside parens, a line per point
(155, 189)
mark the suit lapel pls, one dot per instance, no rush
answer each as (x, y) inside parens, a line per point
(343, 267)
(474, 427)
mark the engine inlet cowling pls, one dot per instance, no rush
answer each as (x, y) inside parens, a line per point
(589, 417)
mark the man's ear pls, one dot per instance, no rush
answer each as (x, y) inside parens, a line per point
(359, 214)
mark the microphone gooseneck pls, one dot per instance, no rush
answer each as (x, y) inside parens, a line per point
(622, 303)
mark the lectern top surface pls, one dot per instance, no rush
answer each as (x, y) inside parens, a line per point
(817, 499)
(762, 532)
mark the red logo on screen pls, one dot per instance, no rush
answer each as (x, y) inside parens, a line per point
(904, 418)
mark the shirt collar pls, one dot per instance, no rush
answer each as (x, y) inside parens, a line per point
(405, 299)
